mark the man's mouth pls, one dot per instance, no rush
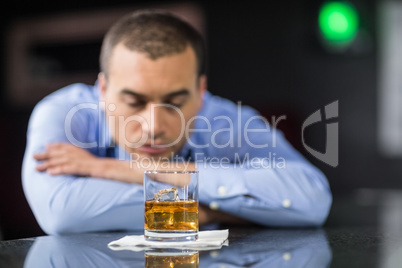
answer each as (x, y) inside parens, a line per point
(153, 149)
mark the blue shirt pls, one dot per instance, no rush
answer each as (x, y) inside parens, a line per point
(246, 168)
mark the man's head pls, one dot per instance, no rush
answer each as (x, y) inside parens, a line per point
(152, 80)
(155, 33)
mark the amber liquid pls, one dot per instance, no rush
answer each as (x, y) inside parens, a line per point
(181, 261)
(171, 215)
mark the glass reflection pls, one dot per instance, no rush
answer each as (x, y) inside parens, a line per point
(247, 248)
(169, 259)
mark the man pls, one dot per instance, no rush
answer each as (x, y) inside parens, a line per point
(88, 146)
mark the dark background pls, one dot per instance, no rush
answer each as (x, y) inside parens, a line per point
(265, 55)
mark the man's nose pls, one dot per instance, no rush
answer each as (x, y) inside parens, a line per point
(155, 117)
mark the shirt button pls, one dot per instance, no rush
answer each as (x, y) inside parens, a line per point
(286, 203)
(287, 256)
(214, 205)
(214, 254)
(222, 190)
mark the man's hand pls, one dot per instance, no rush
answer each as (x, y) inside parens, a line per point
(64, 158)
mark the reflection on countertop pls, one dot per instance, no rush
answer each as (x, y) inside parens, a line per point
(364, 229)
(248, 247)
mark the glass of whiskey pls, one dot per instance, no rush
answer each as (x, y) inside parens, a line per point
(171, 205)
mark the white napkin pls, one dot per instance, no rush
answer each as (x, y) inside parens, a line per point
(207, 240)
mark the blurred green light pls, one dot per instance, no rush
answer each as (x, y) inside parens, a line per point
(338, 22)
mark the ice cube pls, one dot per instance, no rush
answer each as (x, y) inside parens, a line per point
(167, 195)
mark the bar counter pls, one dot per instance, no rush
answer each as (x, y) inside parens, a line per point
(364, 229)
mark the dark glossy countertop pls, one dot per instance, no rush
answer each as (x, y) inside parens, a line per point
(363, 230)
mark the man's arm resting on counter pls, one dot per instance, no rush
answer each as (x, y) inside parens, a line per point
(66, 203)
(67, 159)
(73, 202)
(297, 195)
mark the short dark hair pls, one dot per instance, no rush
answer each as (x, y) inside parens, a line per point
(156, 33)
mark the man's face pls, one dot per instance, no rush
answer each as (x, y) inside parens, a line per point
(149, 102)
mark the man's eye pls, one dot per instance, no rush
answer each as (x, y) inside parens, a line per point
(135, 104)
(176, 104)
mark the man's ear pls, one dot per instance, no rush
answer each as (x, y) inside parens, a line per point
(102, 85)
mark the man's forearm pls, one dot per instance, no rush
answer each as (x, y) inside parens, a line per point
(113, 169)
(118, 170)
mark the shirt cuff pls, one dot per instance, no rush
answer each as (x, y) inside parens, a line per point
(216, 184)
